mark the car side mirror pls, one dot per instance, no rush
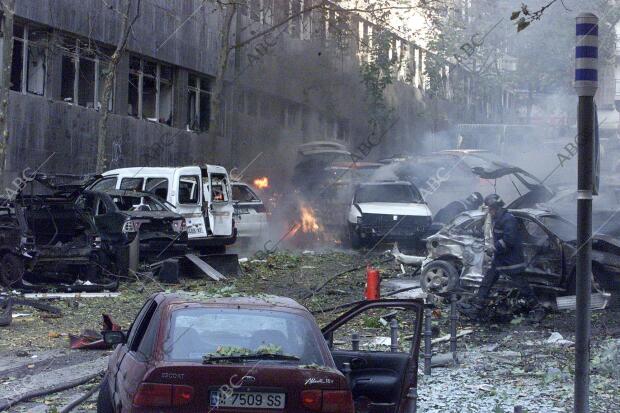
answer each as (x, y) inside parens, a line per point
(113, 338)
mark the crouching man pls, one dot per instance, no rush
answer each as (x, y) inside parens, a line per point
(507, 259)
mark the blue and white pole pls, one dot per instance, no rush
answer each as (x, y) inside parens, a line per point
(586, 84)
(586, 55)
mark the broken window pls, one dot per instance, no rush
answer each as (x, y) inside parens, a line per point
(132, 184)
(199, 103)
(189, 189)
(150, 90)
(83, 68)
(29, 65)
(157, 186)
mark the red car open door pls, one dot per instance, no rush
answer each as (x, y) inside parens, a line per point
(380, 341)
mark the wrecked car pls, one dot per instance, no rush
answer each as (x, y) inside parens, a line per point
(250, 212)
(202, 195)
(184, 354)
(456, 254)
(124, 216)
(454, 174)
(44, 238)
(387, 211)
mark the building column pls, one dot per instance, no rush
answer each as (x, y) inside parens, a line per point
(121, 86)
(179, 118)
(53, 78)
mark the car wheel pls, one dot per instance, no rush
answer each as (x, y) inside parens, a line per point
(11, 270)
(104, 399)
(439, 276)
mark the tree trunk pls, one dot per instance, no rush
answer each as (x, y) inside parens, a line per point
(222, 66)
(8, 9)
(108, 85)
(127, 23)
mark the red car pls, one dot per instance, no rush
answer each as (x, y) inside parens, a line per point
(261, 355)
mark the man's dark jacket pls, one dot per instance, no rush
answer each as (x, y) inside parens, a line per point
(508, 244)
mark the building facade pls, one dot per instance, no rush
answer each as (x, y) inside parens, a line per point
(299, 83)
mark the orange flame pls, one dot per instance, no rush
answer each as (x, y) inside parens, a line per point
(261, 183)
(309, 223)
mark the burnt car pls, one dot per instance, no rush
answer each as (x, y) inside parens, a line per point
(387, 211)
(456, 254)
(123, 217)
(258, 354)
(454, 174)
(45, 238)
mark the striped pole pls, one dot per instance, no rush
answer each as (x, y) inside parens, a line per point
(586, 83)
(586, 55)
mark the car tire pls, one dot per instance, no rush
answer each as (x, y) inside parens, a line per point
(104, 399)
(11, 270)
(439, 276)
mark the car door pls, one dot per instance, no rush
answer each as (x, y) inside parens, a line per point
(132, 359)
(220, 208)
(542, 251)
(250, 212)
(383, 373)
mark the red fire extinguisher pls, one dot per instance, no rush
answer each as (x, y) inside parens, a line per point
(373, 284)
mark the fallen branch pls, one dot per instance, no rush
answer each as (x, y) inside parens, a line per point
(80, 400)
(50, 390)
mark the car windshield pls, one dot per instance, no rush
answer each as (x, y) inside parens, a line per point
(564, 229)
(195, 333)
(135, 203)
(387, 193)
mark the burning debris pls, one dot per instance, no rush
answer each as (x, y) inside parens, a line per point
(261, 183)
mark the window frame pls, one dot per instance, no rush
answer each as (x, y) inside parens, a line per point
(198, 189)
(197, 91)
(140, 73)
(25, 57)
(77, 55)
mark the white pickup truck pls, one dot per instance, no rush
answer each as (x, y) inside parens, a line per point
(200, 194)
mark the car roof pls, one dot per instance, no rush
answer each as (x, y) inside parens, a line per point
(257, 301)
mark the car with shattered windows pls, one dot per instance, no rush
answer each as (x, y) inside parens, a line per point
(188, 353)
(387, 211)
(125, 217)
(46, 240)
(456, 254)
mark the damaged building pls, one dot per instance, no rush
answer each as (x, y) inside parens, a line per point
(302, 85)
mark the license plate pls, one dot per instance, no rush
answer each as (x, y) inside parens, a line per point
(248, 400)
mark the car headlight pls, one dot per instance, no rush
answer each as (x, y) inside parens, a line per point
(179, 225)
(130, 227)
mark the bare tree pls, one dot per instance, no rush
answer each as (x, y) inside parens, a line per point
(127, 23)
(8, 15)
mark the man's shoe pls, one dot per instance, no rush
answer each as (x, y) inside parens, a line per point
(471, 309)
